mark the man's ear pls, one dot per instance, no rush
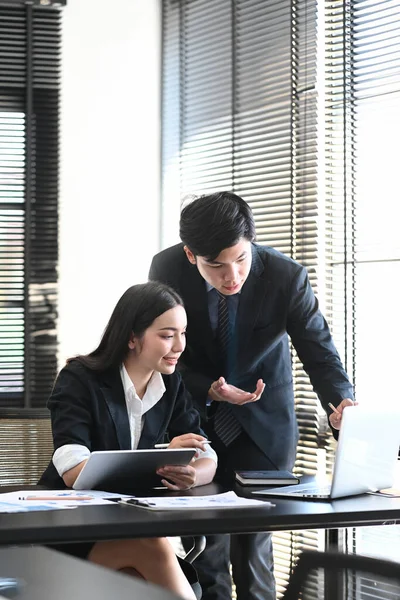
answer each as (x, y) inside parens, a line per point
(190, 256)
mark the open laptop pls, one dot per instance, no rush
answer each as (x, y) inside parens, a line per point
(365, 460)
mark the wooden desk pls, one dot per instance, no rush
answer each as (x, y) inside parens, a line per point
(47, 574)
(118, 522)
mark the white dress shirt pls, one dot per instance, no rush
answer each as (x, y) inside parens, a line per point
(68, 456)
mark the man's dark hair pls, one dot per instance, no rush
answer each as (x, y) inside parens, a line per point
(214, 222)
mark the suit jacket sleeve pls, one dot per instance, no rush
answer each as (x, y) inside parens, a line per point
(312, 340)
(185, 418)
(198, 385)
(71, 417)
(160, 272)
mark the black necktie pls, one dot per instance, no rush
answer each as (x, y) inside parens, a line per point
(224, 332)
(226, 426)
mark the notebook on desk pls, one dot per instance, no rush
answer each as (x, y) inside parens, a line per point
(365, 459)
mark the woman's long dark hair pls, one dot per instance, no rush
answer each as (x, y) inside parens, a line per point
(135, 311)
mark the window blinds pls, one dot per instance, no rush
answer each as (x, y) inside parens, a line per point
(239, 113)
(240, 109)
(362, 201)
(30, 38)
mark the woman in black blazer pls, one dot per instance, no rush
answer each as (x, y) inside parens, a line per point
(123, 395)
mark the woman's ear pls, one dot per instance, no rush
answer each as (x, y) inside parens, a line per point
(132, 342)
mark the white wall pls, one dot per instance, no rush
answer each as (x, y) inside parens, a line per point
(110, 155)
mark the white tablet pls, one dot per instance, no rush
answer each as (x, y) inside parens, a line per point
(122, 471)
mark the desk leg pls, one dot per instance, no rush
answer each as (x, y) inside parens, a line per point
(334, 540)
(334, 582)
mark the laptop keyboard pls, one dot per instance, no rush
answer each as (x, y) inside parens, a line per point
(312, 491)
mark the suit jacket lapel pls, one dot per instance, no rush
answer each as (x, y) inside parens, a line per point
(251, 300)
(114, 397)
(155, 420)
(194, 294)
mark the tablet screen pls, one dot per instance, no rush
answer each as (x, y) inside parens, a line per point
(124, 471)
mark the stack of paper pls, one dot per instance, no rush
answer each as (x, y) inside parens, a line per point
(31, 500)
(226, 500)
(28, 500)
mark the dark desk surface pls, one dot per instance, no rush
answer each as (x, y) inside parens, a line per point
(117, 522)
(46, 574)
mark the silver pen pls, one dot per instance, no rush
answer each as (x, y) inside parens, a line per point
(333, 408)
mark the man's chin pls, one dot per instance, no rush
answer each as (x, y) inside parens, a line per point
(229, 291)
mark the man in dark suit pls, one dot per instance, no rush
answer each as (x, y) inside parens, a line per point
(243, 302)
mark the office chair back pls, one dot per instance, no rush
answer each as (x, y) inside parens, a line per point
(26, 445)
(343, 577)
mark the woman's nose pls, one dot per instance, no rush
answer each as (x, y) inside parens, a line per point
(179, 344)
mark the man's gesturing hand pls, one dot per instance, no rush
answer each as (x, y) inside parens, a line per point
(221, 391)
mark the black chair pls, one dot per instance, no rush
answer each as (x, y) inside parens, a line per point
(337, 576)
(199, 543)
(42, 574)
